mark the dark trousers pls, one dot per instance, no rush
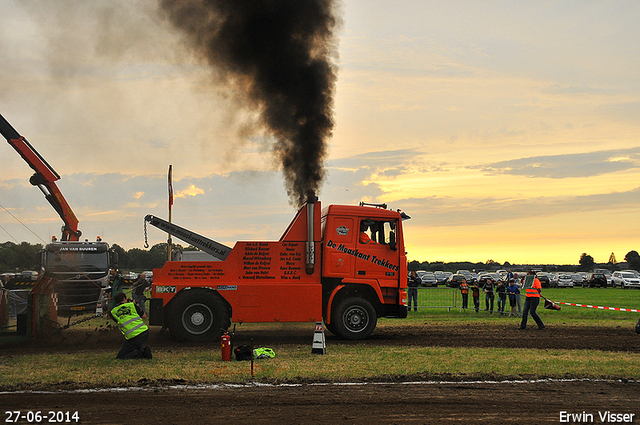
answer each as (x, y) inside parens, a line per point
(488, 300)
(465, 300)
(476, 303)
(413, 294)
(530, 306)
(141, 301)
(132, 348)
(502, 300)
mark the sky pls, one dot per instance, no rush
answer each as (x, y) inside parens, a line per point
(507, 130)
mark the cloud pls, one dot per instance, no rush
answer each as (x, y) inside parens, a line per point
(568, 165)
(192, 190)
(444, 212)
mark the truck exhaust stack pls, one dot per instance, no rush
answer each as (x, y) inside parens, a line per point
(311, 251)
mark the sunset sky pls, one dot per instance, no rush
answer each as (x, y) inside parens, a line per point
(506, 130)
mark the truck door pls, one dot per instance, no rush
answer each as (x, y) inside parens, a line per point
(381, 257)
(339, 257)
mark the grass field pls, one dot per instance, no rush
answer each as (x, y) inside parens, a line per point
(346, 362)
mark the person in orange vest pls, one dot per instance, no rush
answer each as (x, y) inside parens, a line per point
(531, 303)
(464, 289)
(364, 236)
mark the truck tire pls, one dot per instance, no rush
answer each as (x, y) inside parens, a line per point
(198, 315)
(355, 318)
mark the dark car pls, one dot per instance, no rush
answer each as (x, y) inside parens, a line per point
(455, 280)
(598, 280)
(545, 282)
(484, 278)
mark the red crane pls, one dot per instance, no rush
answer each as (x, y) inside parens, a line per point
(44, 177)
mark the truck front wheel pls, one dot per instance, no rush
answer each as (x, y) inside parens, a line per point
(198, 316)
(355, 318)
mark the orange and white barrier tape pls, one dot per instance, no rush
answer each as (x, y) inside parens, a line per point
(600, 307)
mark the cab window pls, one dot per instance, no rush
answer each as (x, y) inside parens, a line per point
(377, 232)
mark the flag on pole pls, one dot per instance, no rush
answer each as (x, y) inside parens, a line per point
(170, 178)
(170, 187)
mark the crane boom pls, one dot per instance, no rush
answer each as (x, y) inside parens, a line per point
(203, 243)
(44, 178)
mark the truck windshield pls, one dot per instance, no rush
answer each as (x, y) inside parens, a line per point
(64, 262)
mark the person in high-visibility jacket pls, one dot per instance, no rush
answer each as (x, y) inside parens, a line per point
(129, 316)
(464, 289)
(364, 236)
(531, 303)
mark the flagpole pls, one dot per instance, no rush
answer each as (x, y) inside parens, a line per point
(170, 178)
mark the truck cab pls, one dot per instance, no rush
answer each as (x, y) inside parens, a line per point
(364, 255)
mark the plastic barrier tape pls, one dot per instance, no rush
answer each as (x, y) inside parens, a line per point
(600, 307)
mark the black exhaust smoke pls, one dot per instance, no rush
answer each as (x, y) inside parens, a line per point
(279, 54)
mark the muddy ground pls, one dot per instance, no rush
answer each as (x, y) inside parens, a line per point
(414, 399)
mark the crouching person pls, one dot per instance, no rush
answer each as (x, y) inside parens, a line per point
(129, 318)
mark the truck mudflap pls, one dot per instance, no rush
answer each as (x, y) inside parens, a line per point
(156, 313)
(394, 311)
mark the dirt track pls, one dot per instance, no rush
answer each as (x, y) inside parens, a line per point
(389, 402)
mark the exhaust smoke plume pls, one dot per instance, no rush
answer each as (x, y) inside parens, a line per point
(277, 54)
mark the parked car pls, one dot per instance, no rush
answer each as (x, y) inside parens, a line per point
(130, 276)
(442, 276)
(607, 274)
(482, 278)
(29, 275)
(565, 281)
(625, 280)
(429, 279)
(455, 280)
(6, 277)
(545, 282)
(467, 274)
(577, 279)
(595, 280)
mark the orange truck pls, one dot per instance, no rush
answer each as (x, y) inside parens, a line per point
(344, 265)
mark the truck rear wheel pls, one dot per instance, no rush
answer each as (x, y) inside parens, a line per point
(198, 315)
(355, 318)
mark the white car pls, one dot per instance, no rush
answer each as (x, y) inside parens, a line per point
(429, 279)
(625, 280)
(565, 281)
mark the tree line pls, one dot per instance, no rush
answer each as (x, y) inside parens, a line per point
(24, 256)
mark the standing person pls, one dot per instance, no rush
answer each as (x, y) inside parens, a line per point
(117, 286)
(413, 283)
(514, 294)
(531, 302)
(128, 317)
(138, 289)
(502, 296)
(509, 276)
(519, 283)
(464, 289)
(475, 292)
(488, 294)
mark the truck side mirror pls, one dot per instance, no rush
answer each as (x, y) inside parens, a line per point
(392, 241)
(114, 259)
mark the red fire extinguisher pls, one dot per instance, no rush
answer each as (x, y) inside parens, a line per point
(226, 347)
